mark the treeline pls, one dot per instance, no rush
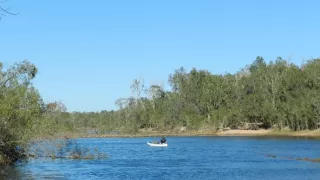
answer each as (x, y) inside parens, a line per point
(278, 94)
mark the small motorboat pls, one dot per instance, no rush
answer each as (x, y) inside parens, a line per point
(157, 144)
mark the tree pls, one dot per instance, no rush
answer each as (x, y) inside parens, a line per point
(137, 87)
(20, 107)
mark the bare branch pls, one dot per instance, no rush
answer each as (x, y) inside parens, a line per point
(5, 11)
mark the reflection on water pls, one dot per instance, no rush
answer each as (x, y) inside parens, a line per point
(10, 172)
(17, 172)
(185, 158)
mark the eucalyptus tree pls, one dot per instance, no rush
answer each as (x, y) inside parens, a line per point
(21, 107)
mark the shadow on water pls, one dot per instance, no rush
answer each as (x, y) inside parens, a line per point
(14, 172)
(50, 151)
(10, 172)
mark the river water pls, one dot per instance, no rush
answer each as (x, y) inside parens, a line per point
(225, 158)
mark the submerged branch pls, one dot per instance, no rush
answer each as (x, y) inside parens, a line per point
(63, 149)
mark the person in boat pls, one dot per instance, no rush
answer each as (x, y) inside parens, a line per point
(163, 140)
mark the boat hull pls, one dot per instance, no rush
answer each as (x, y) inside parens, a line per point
(157, 145)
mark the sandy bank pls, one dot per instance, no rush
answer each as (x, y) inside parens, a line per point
(261, 132)
(244, 132)
(264, 132)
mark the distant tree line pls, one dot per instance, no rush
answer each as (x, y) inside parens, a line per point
(278, 95)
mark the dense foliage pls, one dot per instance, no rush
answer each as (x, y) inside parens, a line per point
(23, 114)
(278, 94)
(29, 126)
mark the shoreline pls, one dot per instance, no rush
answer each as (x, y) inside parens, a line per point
(226, 133)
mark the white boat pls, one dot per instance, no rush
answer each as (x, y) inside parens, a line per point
(157, 145)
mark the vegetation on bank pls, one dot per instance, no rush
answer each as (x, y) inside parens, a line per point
(25, 120)
(278, 95)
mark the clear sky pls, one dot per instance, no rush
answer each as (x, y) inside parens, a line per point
(88, 52)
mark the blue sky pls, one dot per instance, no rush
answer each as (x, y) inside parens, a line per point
(88, 52)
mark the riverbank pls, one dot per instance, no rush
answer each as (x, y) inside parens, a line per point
(271, 132)
(260, 132)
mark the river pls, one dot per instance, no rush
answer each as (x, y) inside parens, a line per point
(225, 158)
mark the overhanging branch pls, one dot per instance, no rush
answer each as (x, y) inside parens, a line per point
(5, 11)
